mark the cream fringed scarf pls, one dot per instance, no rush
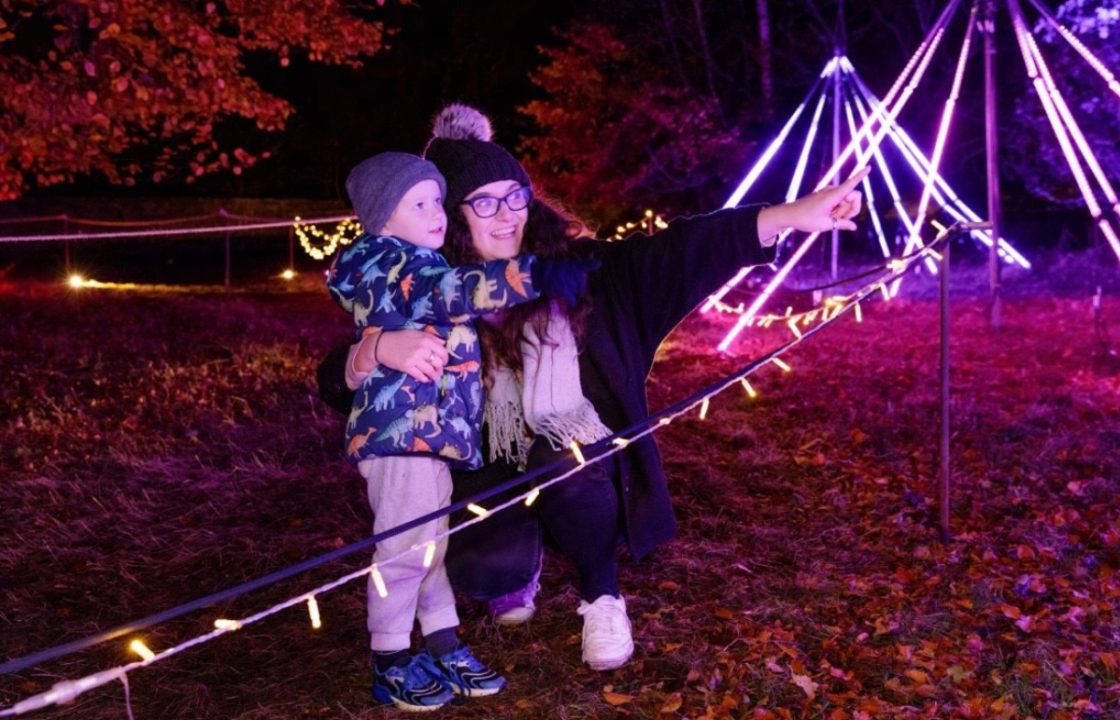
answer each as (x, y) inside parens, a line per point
(549, 401)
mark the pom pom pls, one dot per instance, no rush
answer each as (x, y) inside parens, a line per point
(461, 122)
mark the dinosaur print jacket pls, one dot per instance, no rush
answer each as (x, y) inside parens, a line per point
(388, 283)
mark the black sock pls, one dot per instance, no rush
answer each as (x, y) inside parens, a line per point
(383, 660)
(441, 642)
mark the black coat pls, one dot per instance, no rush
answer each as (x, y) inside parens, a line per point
(644, 288)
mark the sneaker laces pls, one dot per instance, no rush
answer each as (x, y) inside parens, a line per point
(606, 617)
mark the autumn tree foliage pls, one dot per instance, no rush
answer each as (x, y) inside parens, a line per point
(135, 89)
(616, 131)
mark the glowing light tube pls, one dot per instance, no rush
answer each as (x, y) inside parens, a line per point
(915, 238)
(763, 161)
(892, 111)
(747, 316)
(1084, 52)
(1041, 90)
(715, 298)
(885, 173)
(955, 207)
(1051, 99)
(1072, 126)
(919, 72)
(803, 158)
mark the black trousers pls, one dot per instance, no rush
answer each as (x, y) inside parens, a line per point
(578, 515)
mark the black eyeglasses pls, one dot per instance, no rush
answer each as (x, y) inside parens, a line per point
(486, 206)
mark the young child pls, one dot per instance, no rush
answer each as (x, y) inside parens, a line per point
(403, 433)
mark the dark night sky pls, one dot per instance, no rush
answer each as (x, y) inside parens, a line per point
(482, 52)
(477, 52)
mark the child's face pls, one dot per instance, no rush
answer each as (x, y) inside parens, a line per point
(419, 217)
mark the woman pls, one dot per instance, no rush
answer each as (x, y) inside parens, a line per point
(557, 373)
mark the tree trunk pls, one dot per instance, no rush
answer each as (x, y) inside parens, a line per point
(709, 65)
(670, 32)
(765, 57)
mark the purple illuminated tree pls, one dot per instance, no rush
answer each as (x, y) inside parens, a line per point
(614, 130)
(1033, 154)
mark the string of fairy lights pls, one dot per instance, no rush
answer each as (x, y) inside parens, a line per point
(649, 223)
(321, 244)
(829, 312)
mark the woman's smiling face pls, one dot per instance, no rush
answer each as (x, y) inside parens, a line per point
(498, 237)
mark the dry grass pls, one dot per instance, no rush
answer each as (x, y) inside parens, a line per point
(160, 447)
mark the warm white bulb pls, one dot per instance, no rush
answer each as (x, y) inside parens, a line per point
(137, 646)
(378, 582)
(577, 452)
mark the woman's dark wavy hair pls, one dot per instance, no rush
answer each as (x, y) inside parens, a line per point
(549, 233)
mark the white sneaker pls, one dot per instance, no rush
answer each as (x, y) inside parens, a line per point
(607, 643)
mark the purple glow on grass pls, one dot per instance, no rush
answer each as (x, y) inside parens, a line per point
(1086, 54)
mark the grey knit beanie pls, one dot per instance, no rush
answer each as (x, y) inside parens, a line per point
(378, 183)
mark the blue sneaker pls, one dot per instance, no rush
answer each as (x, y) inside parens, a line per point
(466, 674)
(417, 687)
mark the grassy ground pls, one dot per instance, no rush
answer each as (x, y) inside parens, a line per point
(157, 447)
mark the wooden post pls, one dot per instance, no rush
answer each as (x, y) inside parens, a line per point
(66, 246)
(835, 269)
(943, 484)
(225, 220)
(992, 148)
(291, 248)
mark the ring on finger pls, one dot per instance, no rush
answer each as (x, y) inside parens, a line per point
(432, 358)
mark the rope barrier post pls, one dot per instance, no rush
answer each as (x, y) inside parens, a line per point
(991, 142)
(69, 266)
(943, 483)
(225, 220)
(291, 248)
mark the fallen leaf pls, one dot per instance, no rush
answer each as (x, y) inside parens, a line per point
(806, 684)
(616, 699)
(672, 703)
